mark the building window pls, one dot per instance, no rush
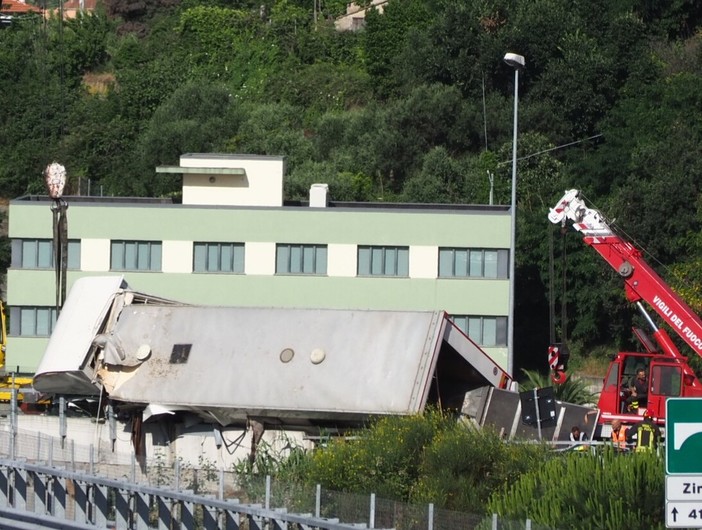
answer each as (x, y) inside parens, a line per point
(136, 256)
(473, 263)
(484, 331)
(39, 254)
(32, 321)
(383, 261)
(218, 257)
(301, 259)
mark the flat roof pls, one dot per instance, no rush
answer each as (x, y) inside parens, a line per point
(229, 156)
(333, 205)
(201, 170)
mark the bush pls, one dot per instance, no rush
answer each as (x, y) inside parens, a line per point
(384, 459)
(604, 490)
(431, 458)
(463, 466)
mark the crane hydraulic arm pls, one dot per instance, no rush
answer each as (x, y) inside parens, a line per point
(641, 281)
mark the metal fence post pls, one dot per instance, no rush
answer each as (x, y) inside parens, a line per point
(176, 473)
(133, 470)
(268, 492)
(494, 521)
(430, 517)
(528, 525)
(112, 420)
(63, 428)
(318, 501)
(221, 483)
(13, 420)
(371, 521)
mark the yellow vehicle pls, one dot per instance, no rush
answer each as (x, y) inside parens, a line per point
(10, 381)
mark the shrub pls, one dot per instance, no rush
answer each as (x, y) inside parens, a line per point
(605, 490)
(384, 458)
(430, 458)
(464, 465)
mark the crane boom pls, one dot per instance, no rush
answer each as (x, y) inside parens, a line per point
(642, 283)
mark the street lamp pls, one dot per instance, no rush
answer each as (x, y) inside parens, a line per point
(517, 62)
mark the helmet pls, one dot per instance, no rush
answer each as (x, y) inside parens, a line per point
(648, 413)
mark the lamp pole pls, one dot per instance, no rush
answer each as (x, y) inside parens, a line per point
(517, 62)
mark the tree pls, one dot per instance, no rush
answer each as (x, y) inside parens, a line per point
(441, 180)
(319, 87)
(343, 185)
(83, 43)
(430, 116)
(674, 19)
(272, 129)
(386, 35)
(196, 118)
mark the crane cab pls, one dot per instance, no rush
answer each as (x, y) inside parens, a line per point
(667, 377)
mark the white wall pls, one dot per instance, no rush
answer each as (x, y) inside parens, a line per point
(95, 255)
(262, 184)
(177, 256)
(341, 260)
(38, 435)
(423, 261)
(259, 258)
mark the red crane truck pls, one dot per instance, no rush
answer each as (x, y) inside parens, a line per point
(669, 372)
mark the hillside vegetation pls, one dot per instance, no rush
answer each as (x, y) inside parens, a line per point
(417, 107)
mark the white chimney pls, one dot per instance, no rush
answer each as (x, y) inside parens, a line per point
(319, 195)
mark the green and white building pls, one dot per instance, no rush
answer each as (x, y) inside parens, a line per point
(233, 241)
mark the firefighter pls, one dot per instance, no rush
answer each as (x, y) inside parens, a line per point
(619, 436)
(646, 433)
(638, 391)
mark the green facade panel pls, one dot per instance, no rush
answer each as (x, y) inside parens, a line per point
(301, 224)
(24, 354)
(468, 297)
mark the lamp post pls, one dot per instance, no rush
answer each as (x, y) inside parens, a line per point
(55, 178)
(517, 62)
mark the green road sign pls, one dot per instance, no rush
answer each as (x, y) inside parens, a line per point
(683, 436)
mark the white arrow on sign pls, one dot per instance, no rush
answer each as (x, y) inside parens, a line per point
(682, 431)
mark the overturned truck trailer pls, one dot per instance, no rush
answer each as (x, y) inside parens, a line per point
(291, 368)
(294, 369)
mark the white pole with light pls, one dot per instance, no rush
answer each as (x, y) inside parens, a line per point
(517, 62)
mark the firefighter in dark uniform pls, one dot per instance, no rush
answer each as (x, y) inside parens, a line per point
(646, 434)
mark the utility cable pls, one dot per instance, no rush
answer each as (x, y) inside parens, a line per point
(563, 146)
